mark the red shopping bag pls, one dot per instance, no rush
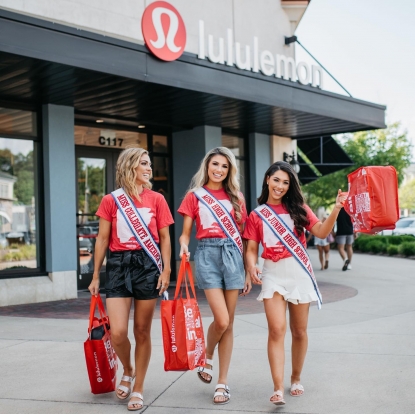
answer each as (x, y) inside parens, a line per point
(101, 361)
(181, 322)
(372, 202)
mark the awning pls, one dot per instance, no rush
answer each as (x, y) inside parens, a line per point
(324, 153)
(5, 216)
(43, 62)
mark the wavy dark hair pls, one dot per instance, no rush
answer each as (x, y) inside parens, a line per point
(293, 200)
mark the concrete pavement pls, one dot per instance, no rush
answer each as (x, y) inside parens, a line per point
(361, 356)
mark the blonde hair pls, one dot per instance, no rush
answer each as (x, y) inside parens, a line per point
(230, 183)
(126, 176)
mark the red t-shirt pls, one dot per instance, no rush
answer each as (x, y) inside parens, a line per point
(258, 231)
(153, 209)
(206, 225)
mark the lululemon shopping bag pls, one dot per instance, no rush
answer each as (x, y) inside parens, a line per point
(101, 361)
(181, 322)
(372, 202)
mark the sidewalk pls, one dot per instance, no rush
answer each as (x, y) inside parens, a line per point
(361, 356)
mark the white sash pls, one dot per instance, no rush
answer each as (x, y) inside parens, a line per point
(290, 242)
(137, 226)
(222, 216)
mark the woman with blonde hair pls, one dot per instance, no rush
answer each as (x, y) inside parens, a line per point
(134, 224)
(217, 206)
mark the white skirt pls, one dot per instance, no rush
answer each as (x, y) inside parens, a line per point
(289, 279)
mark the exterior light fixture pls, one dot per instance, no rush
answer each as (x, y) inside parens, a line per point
(141, 126)
(99, 121)
(292, 160)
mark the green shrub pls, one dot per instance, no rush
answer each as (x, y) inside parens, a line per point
(400, 239)
(365, 244)
(407, 248)
(392, 250)
(376, 246)
(361, 241)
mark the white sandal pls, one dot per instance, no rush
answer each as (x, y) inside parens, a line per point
(131, 404)
(205, 370)
(278, 393)
(225, 394)
(296, 387)
(123, 388)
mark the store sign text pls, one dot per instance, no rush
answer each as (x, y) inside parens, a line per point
(251, 59)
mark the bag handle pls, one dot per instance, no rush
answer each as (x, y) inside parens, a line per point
(96, 300)
(185, 268)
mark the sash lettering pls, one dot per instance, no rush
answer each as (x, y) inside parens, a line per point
(290, 242)
(137, 226)
(222, 217)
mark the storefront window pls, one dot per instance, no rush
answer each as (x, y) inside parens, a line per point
(109, 138)
(18, 230)
(236, 145)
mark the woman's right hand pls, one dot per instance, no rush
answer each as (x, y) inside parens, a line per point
(253, 273)
(94, 286)
(184, 249)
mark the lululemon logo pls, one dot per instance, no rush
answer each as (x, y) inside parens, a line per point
(163, 30)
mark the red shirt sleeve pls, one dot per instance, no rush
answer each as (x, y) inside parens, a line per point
(163, 216)
(311, 217)
(252, 231)
(106, 208)
(189, 207)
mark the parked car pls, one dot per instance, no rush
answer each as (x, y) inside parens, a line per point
(405, 226)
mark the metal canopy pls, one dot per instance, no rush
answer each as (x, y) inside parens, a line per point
(324, 153)
(42, 62)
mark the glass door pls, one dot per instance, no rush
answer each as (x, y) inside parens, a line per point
(95, 178)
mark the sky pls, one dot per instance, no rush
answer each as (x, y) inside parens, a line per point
(369, 47)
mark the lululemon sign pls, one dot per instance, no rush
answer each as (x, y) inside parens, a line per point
(163, 30)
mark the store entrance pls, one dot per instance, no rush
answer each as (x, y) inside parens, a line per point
(95, 178)
(97, 151)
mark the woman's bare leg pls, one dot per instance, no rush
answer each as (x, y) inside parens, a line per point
(119, 311)
(143, 317)
(223, 304)
(320, 256)
(275, 310)
(298, 326)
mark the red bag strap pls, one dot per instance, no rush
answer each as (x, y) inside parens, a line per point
(96, 300)
(185, 268)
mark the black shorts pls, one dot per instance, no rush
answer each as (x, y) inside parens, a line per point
(131, 274)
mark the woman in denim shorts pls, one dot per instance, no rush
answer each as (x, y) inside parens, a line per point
(218, 261)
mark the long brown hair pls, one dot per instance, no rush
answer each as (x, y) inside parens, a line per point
(293, 199)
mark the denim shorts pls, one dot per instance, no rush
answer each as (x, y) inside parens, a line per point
(219, 265)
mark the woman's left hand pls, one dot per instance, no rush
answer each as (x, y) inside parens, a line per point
(340, 199)
(247, 287)
(163, 282)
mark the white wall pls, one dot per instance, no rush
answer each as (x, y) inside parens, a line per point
(121, 19)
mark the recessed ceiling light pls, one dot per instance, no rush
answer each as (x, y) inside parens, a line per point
(99, 121)
(141, 126)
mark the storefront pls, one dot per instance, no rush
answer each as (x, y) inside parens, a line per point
(76, 88)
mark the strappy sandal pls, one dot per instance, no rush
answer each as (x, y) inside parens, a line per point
(131, 404)
(278, 393)
(205, 370)
(123, 388)
(296, 387)
(225, 394)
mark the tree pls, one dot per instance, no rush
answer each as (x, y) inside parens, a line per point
(389, 146)
(407, 195)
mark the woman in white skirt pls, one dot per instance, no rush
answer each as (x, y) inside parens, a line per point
(284, 280)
